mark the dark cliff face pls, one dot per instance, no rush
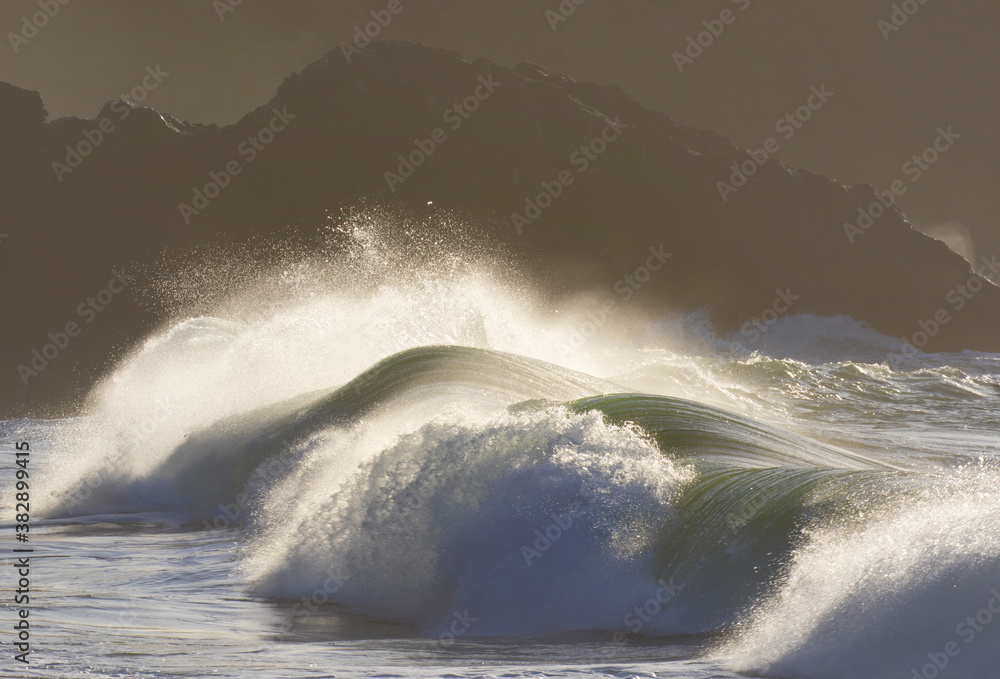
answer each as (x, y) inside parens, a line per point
(334, 135)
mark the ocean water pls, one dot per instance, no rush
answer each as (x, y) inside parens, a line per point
(443, 475)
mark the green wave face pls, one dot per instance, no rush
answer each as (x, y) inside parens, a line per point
(757, 491)
(686, 429)
(214, 465)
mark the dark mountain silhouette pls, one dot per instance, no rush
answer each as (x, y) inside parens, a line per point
(894, 88)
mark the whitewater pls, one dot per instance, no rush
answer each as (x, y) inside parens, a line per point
(403, 462)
